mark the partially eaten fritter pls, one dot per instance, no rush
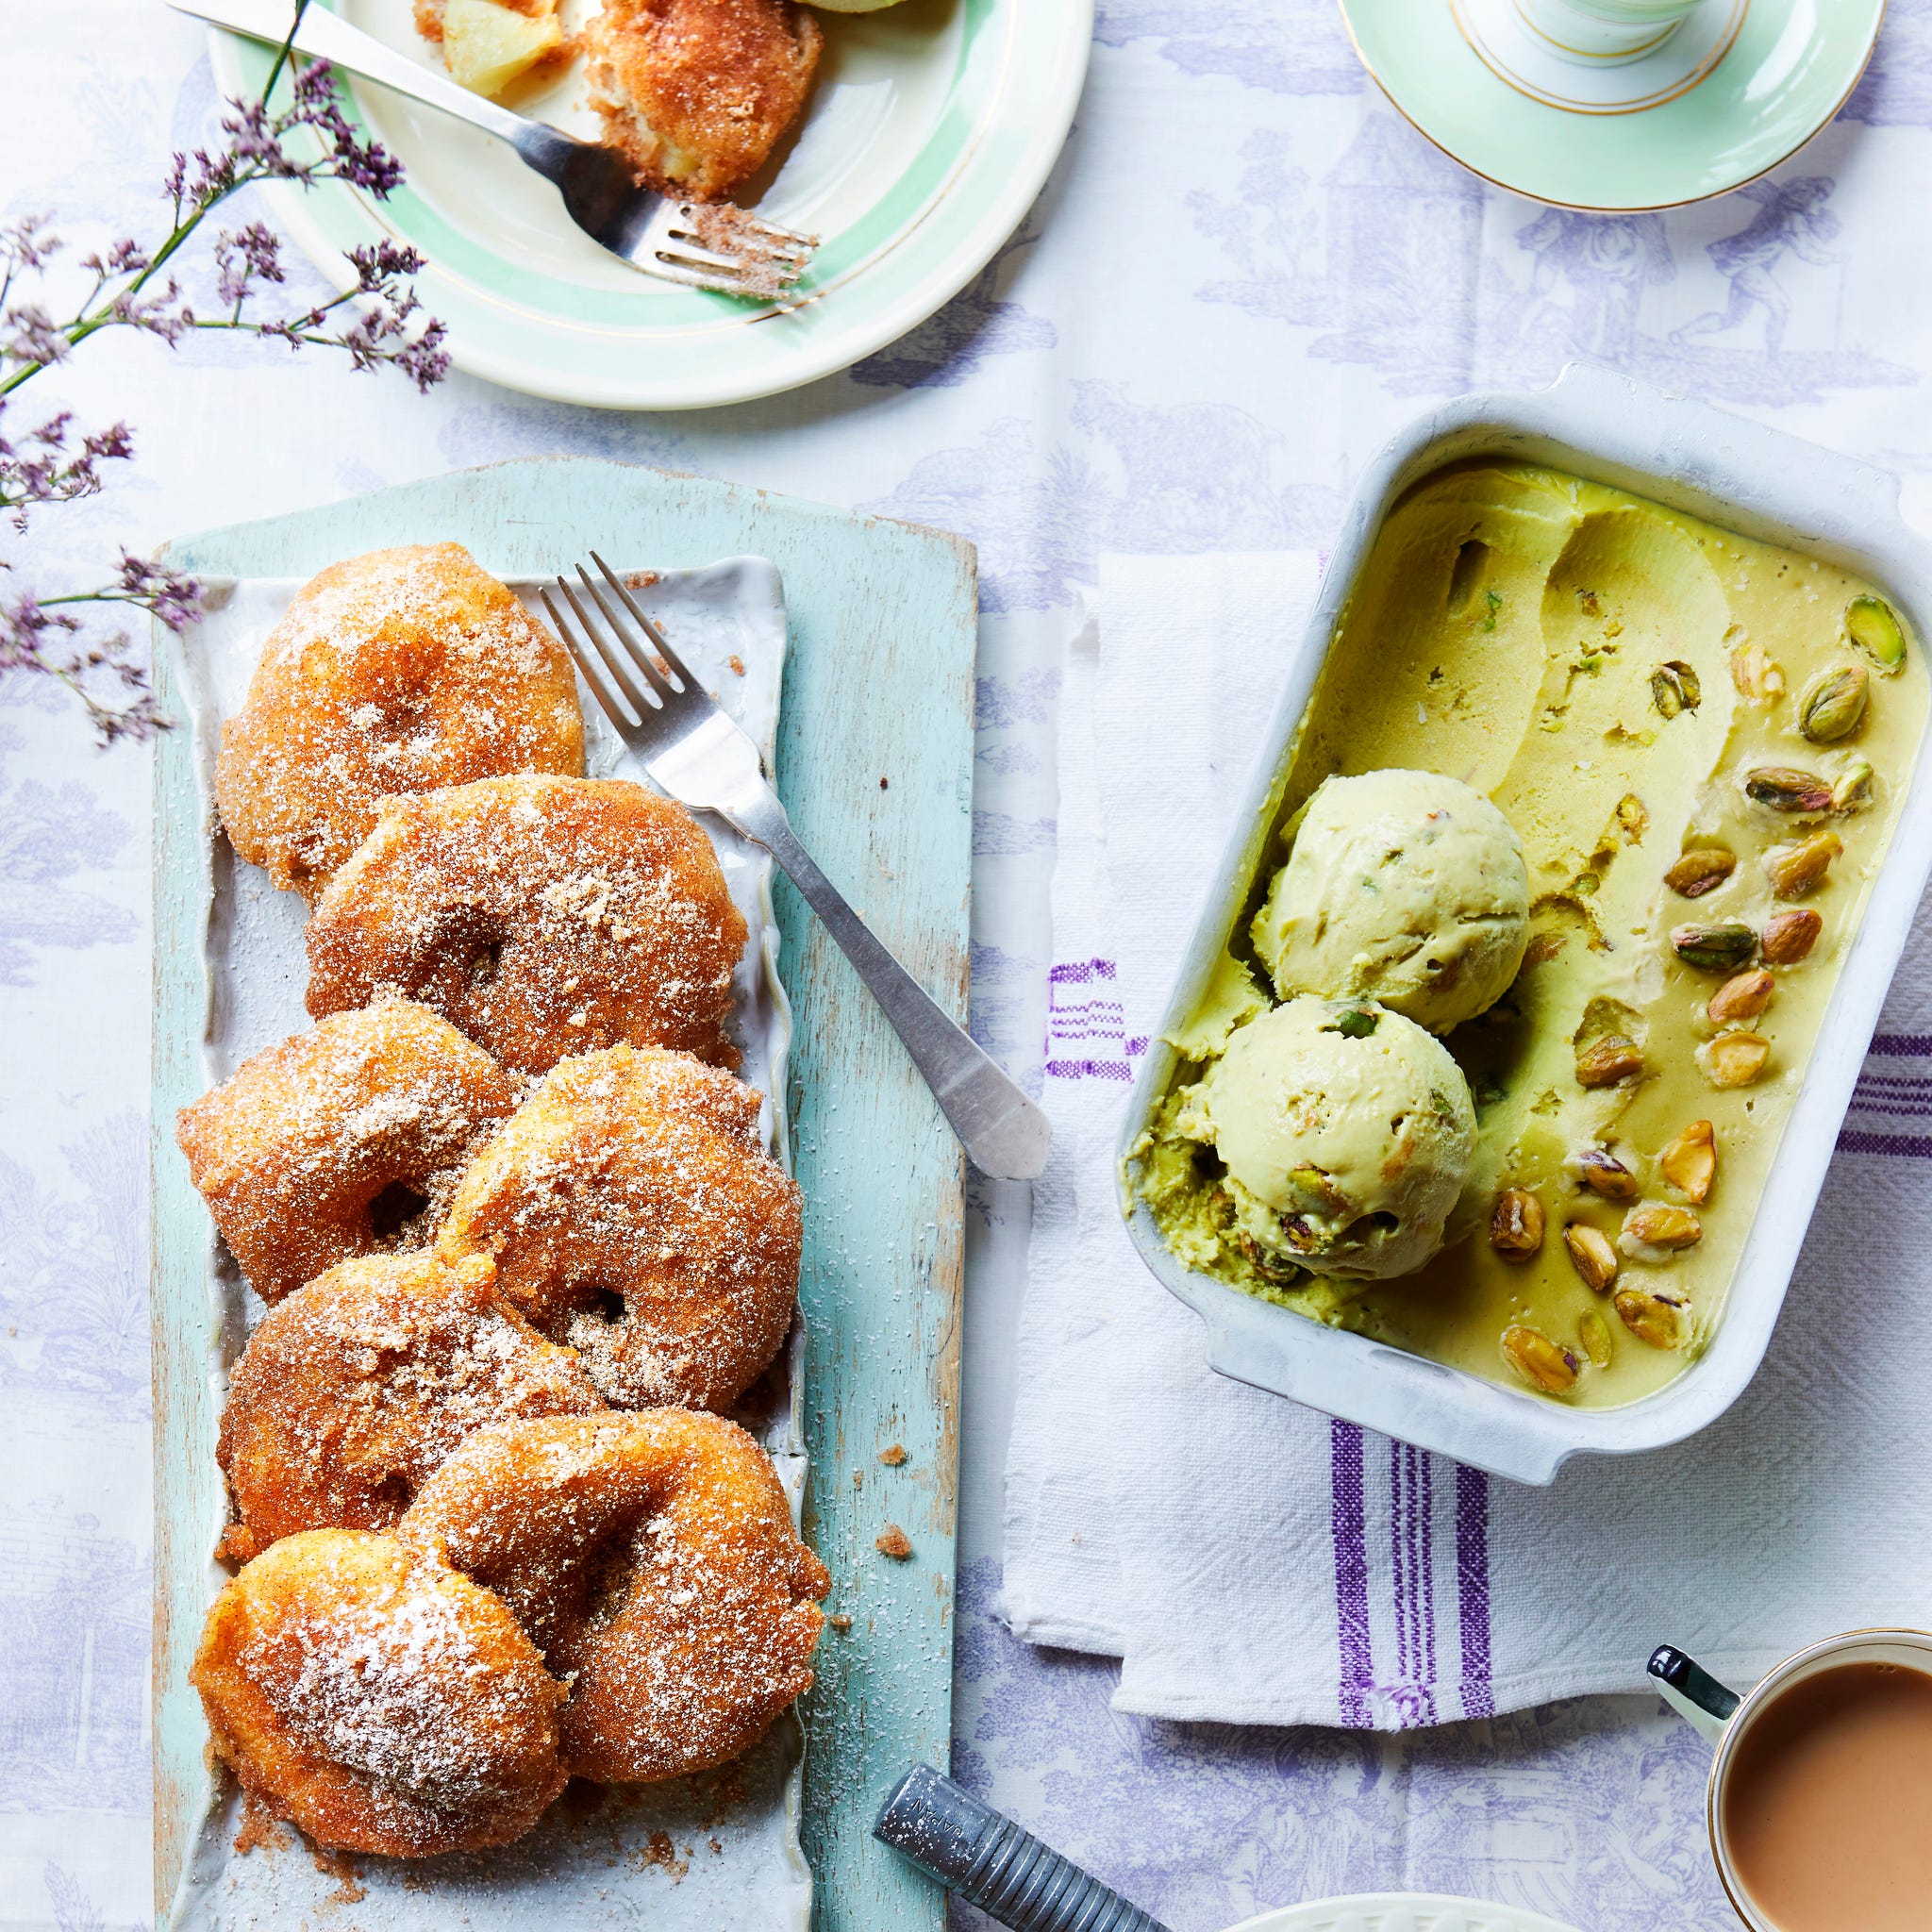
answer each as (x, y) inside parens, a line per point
(696, 94)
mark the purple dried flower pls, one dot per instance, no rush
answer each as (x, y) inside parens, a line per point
(244, 257)
(35, 337)
(380, 325)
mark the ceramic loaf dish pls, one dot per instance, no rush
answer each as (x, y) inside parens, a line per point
(1761, 484)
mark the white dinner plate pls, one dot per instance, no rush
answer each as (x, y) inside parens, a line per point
(1399, 1911)
(933, 126)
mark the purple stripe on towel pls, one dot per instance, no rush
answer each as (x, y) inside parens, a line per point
(1356, 1661)
(1473, 1589)
(1399, 1569)
(1908, 1146)
(1903, 1046)
(1425, 1563)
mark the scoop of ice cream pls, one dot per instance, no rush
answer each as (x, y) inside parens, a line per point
(1405, 887)
(1346, 1131)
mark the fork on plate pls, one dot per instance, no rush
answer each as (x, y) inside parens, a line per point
(702, 245)
(699, 756)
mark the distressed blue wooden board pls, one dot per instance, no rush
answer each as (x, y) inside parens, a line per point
(879, 685)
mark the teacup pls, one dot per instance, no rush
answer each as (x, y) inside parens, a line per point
(1819, 1801)
(1606, 32)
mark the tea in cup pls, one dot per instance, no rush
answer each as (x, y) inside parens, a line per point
(1821, 1793)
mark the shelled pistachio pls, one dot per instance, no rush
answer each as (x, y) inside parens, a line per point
(1545, 1364)
(1690, 1162)
(1743, 996)
(1604, 1175)
(1795, 870)
(1701, 870)
(1734, 1059)
(1714, 948)
(1789, 936)
(1872, 625)
(1850, 791)
(1592, 1255)
(1594, 1333)
(1516, 1224)
(1785, 788)
(1657, 1226)
(1832, 705)
(1609, 1060)
(1674, 688)
(1660, 1319)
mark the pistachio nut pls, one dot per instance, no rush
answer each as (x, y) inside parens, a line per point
(1658, 1225)
(1872, 625)
(1657, 1319)
(1756, 673)
(1714, 948)
(1269, 1267)
(1852, 789)
(1795, 870)
(1604, 1174)
(1789, 936)
(1543, 1363)
(1607, 1060)
(1832, 704)
(1690, 1162)
(1674, 688)
(1313, 1184)
(1633, 821)
(1516, 1224)
(1592, 1255)
(1699, 872)
(1734, 1059)
(1742, 996)
(1784, 788)
(1594, 1332)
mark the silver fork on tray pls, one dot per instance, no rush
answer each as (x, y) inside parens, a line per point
(700, 755)
(701, 244)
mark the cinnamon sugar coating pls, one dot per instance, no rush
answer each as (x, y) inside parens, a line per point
(652, 1557)
(399, 671)
(354, 1388)
(378, 1700)
(541, 916)
(340, 1141)
(632, 1211)
(695, 93)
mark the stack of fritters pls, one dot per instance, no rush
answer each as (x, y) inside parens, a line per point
(504, 1189)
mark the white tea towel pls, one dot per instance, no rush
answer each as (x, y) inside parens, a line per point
(1252, 1561)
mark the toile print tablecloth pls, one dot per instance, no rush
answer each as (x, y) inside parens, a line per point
(1304, 273)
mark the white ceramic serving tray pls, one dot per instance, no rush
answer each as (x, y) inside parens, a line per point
(686, 1856)
(1762, 484)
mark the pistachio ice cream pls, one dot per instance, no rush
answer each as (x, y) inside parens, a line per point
(1346, 1132)
(1702, 745)
(1403, 886)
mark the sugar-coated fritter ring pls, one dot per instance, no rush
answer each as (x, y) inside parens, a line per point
(378, 1700)
(356, 1387)
(695, 93)
(632, 1211)
(342, 1141)
(652, 1557)
(399, 671)
(542, 916)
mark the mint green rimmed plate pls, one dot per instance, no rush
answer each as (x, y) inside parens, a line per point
(1790, 68)
(933, 126)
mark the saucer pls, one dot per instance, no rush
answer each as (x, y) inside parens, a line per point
(1742, 86)
(1399, 1911)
